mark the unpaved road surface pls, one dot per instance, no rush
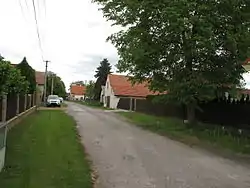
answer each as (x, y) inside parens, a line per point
(128, 157)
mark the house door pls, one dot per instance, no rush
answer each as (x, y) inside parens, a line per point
(108, 101)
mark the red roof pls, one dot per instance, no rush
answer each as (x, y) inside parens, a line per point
(247, 61)
(122, 86)
(77, 90)
(40, 78)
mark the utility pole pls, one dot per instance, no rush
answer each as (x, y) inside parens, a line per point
(45, 82)
(52, 83)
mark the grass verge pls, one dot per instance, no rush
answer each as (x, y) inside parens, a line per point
(64, 105)
(205, 135)
(44, 151)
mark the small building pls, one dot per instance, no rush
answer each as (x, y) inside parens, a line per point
(40, 81)
(119, 86)
(77, 92)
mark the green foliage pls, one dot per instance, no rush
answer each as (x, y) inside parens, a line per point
(101, 74)
(58, 85)
(188, 48)
(11, 80)
(1, 57)
(44, 150)
(90, 89)
(214, 136)
(29, 73)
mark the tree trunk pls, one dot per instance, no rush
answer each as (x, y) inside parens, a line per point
(191, 113)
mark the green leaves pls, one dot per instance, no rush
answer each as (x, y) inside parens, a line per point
(11, 80)
(101, 74)
(190, 48)
(29, 74)
(58, 85)
(90, 89)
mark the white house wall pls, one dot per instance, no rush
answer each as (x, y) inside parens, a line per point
(77, 97)
(108, 91)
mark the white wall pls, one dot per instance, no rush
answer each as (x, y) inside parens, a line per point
(109, 92)
(77, 97)
(102, 94)
(41, 88)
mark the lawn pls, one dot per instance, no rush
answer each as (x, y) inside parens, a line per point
(44, 151)
(211, 136)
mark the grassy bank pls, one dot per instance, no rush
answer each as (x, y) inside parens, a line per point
(207, 135)
(44, 151)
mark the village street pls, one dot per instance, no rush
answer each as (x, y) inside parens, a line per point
(126, 156)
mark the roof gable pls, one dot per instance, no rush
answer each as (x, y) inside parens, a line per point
(77, 90)
(122, 86)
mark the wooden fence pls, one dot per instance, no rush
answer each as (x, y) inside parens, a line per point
(12, 106)
(225, 112)
(17, 104)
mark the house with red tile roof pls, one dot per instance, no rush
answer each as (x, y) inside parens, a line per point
(40, 80)
(119, 86)
(77, 92)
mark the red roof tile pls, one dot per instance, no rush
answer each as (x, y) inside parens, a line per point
(247, 61)
(40, 78)
(77, 90)
(123, 87)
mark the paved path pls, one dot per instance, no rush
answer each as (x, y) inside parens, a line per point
(128, 157)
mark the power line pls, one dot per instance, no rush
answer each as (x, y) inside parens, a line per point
(26, 5)
(37, 29)
(20, 4)
(44, 4)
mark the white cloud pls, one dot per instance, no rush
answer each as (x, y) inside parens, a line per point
(73, 35)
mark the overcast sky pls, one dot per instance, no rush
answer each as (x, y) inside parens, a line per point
(73, 36)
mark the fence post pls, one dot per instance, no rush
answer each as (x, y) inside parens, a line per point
(135, 104)
(3, 132)
(17, 104)
(34, 99)
(25, 102)
(4, 108)
(30, 100)
(130, 104)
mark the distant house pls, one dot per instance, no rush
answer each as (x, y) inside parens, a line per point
(40, 81)
(77, 92)
(119, 86)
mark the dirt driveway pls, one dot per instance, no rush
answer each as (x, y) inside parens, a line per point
(128, 157)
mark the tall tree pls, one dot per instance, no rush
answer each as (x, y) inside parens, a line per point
(101, 74)
(1, 57)
(11, 80)
(90, 89)
(58, 85)
(29, 73)
(189, 48)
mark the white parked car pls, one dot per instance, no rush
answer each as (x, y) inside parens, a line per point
(61, 99)
(53, 100)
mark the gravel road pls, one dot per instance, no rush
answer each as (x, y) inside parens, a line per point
(128, 157)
